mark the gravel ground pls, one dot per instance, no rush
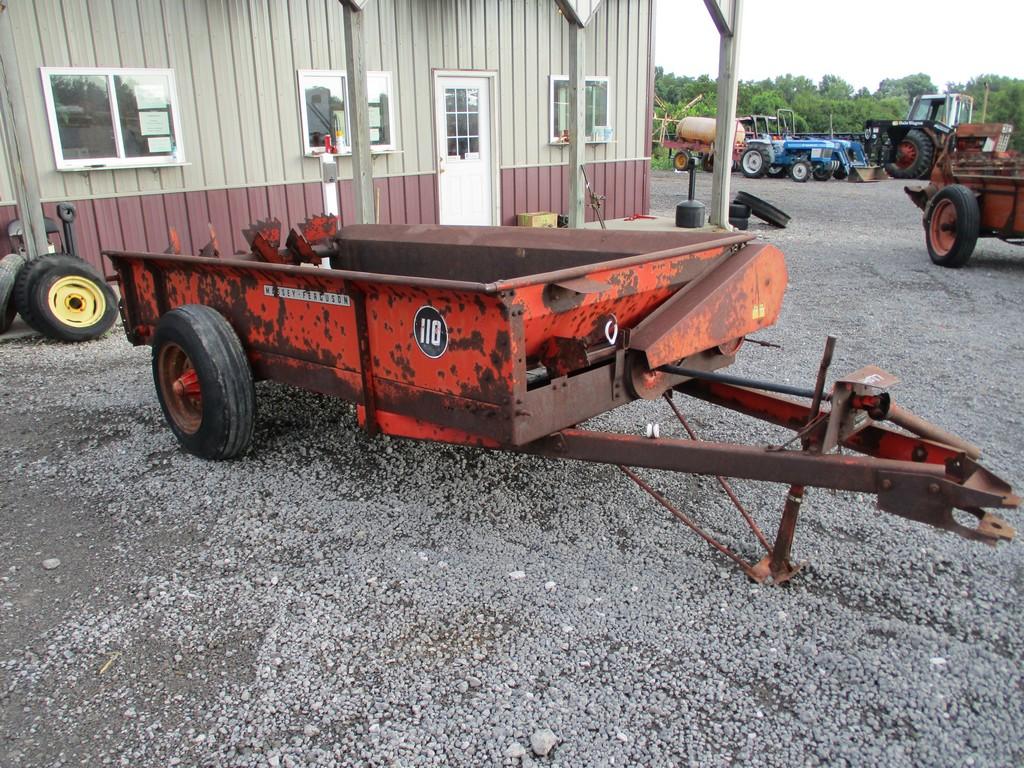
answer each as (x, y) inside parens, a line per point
(332, 599)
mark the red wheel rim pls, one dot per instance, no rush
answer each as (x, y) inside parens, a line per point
(906, 154)
(942, 227)
(179, 385)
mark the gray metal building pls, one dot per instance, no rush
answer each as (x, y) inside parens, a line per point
(157, 113)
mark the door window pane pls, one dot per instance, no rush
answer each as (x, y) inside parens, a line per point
(463, 123)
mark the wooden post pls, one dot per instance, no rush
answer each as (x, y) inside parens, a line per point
(19, 146)
(577, 124)
(359, 114)
(725, 128)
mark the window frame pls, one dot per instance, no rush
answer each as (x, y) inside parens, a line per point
(555, 139)
(309, 151)
(176, 158)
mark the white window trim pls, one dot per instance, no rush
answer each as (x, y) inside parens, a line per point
(309, 151)
(551, 106)
(99, 163)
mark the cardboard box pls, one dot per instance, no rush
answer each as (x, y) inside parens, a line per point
(538, 219)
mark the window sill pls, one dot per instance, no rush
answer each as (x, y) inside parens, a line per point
(132, 167)
(349, 154)
(589, 141)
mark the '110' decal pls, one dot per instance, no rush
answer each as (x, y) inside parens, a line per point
(430, 332)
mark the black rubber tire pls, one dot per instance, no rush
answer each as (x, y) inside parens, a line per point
(763, 210)
(921, 168)
(775, 171)
(821, 173)
(227, 405)
(840, 174)
(10, 266)
(33, 295)
(800, 171)
(961, 201)
(707, 162)
(681, 161)
(755, 169)
(739, 211)
(740, 223)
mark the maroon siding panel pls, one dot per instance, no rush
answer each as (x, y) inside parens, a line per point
(346, 202)
(197, 208)
(220, 217)
(277, 206)
(396, 198)
(129, 211)
(314, 192)
(382, 202)
(259, 205)
(177, 216)
(522, 205)
(154, 222)
(238, 210)
(428, 199)
(625, 185)
(508, 198)
(296, 204)
(411, 199)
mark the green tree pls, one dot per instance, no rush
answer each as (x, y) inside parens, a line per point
(907, 88)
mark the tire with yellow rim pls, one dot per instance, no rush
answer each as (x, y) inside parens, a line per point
(64, 298)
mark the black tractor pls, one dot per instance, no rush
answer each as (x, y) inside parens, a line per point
(907, 148)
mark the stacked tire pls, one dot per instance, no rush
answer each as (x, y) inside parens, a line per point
(739, 215)
(58, 295)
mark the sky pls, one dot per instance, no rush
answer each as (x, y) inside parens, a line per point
(818, 37)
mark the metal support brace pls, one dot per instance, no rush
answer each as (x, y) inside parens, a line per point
(359, 139)
(728, 56)
(577, 124)
(18, 139)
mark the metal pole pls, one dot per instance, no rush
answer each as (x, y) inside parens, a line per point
(359, 115)
(18, 140)
(577, 124)
(728, 55)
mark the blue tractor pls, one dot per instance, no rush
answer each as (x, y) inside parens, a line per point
(777, 154)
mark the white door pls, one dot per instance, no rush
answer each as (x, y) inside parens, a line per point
(465, 183)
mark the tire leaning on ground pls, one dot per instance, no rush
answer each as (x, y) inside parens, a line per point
(64, 298)
(822, 173)
(951, 225)
(776, 171)
(10, 266)
(204, 382)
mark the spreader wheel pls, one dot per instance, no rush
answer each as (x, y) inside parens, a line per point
(64, 298)
(10, 266)
(951, 226)
(681, 161)
(776, 171)
(914, 155)
(204, 382)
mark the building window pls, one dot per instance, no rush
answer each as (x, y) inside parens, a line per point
(118, 118)
(324, 93)
(596, 125)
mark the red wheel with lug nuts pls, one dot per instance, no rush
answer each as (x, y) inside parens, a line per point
(951, 225)
(204, 382)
